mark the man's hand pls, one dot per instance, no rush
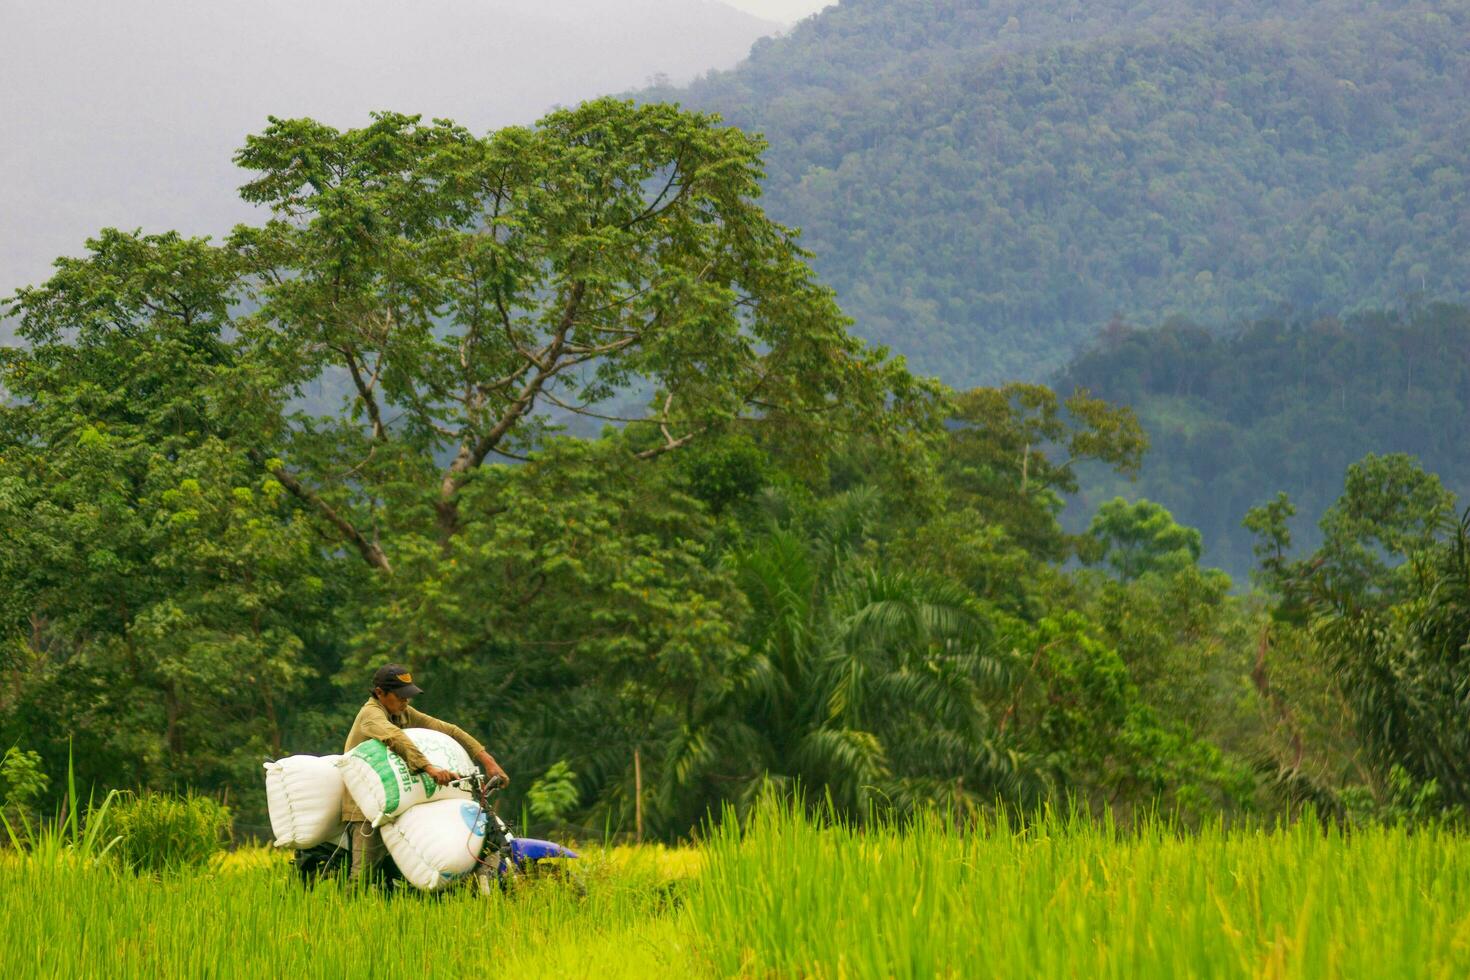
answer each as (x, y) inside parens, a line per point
(440, 776)
(491, 767)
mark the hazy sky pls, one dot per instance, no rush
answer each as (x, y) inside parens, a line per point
(781, 10)
(127, 112)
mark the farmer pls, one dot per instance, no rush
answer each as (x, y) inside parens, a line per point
(384, 717)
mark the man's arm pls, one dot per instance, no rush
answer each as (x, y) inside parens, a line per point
(418, 719)
(376, 725)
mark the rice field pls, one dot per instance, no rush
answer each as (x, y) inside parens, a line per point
(787, 898)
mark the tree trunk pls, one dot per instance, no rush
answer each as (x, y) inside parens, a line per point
(638, 795)
(171, 705)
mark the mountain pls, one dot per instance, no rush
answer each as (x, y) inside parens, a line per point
(128, 114)
(987, 184)
(1234, 417)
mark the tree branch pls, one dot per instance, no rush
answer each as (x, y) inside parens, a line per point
(371, 553)
(470, 456)
(671, 445)
(365, 390)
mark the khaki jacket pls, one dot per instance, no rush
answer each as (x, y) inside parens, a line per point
(373, 721)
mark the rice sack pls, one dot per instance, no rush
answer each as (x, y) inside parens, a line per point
(304, 795)
(437, 843)
(382, 785)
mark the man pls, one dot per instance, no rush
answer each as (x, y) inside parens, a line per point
(384, 718)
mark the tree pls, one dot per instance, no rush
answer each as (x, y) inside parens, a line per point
(160, 591)
(1389, 512)
(478, 291)
(188, 524)
(865, 685)
(1013, 452)
(1142, 537)
(1404, 666)
(1078, 703)
(1269, 523)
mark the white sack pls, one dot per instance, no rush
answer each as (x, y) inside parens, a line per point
(436, 844)
(304, 794)
(383, 787)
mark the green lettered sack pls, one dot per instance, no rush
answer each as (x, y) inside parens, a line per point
(382, 785)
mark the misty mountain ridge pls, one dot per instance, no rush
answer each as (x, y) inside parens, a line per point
(987, 185)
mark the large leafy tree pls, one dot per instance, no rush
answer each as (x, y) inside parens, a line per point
(1405, 668)
(1363, 663)
(160, 592)
(1013, 454)
(473, 291)
(1142, 537)
(1386, 594)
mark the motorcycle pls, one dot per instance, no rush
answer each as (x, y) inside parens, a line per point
(503, 857)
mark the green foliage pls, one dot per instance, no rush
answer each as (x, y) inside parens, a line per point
(725, 474)
(1270, 523)
(1390, 511)
(1373, 626)
(161, 587)
(1013, 454)
(1112, 746)
(555, 794)
(1234, 418)
(1141, 538)
(785, 565)
(1404, 802)
(23, 780)
(1403, 661)
(158, 832)
(195, 562)
(77, 834)
(985, 186)
(868, 684)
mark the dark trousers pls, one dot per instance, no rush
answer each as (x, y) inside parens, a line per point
(368, 850)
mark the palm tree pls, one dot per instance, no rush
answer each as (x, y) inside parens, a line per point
(1406, 666)
(865, 686)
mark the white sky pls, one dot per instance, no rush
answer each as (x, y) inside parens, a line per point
(126, 112)
(784, 11)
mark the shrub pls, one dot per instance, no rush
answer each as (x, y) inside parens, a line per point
(554, 794)
(22, 784)
(158, 832)
(76, 831)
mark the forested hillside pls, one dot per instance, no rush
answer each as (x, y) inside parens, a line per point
(1281, 405)
(987, 184)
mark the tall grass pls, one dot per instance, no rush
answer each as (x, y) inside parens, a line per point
(251, 918)
(1070, 898)
(784, 897)
(77, 834)
(159, 832)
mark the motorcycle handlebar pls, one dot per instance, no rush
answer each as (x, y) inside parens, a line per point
(475, 781)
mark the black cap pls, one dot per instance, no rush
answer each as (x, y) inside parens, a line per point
(397, 679)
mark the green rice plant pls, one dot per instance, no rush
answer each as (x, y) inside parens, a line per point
(248, 917)
(76, 834)
(785, 896)
(158, 832)
(1065, 896)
